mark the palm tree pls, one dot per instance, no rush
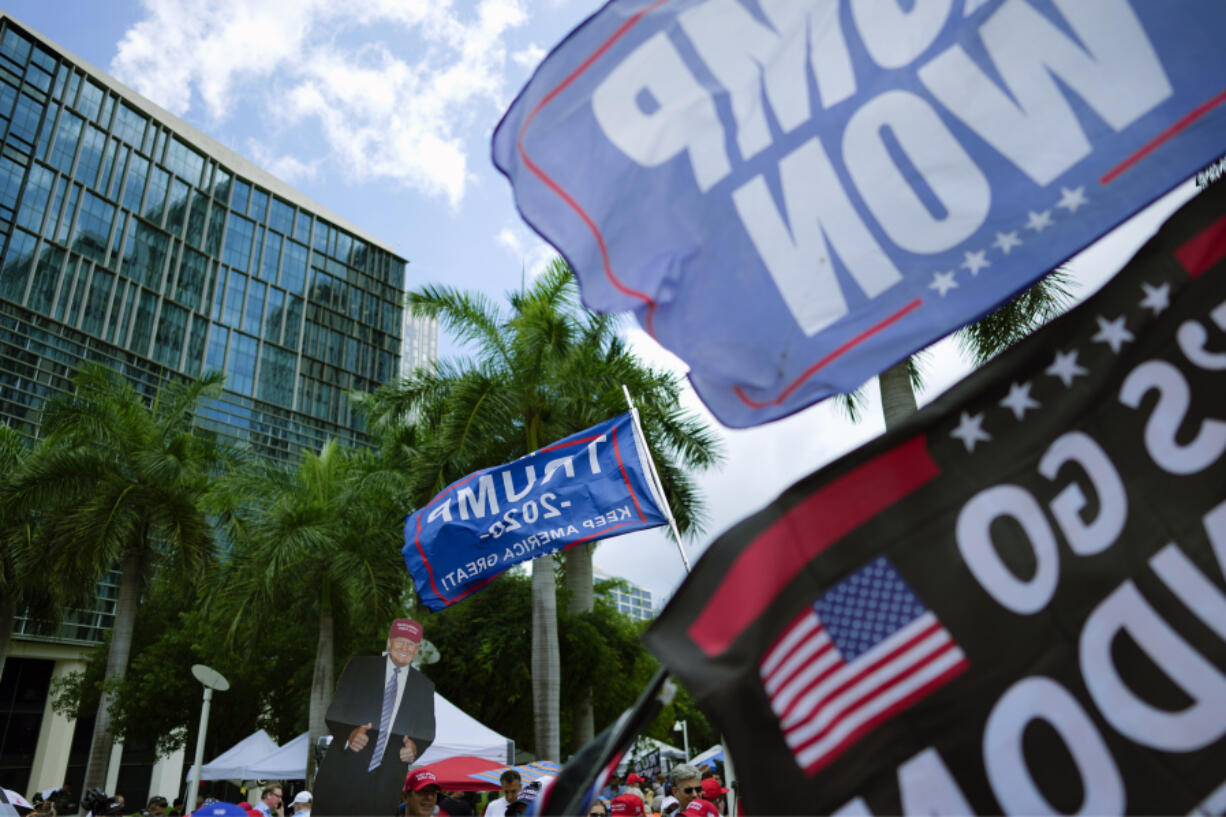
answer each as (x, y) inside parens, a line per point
(543, 371)
(323, 535)
(23, 579)
(983, 339)
(118, 481)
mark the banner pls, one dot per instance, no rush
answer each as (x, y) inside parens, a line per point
(591, 485)
(1014, 603)
(792, 195)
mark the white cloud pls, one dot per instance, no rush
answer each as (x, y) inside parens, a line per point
(529, 57)
(285, 167)
(399, 114)
(526, 248)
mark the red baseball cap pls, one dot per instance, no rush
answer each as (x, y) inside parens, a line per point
(418, 779)
(630, 805)
(701, 808)
(632, 778)
(405, 628)
(712, 789)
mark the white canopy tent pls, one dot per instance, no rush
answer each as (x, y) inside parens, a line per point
(232, 763)
(715, 753)
(455, 733)
(286, 763)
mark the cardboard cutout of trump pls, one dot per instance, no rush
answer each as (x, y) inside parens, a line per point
(381, 720)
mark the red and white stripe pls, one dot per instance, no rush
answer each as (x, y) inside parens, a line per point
(825, 704)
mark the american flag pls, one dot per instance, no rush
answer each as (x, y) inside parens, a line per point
(863, 652)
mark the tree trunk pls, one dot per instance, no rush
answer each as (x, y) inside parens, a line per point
(130, 578)
(8, 614)
(579, 582)
(322, 682)
(897, 394)
(546, 669)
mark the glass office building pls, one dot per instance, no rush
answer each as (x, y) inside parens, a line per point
(129, 237)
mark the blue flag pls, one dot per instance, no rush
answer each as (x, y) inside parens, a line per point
(591, 485)
(793, 195)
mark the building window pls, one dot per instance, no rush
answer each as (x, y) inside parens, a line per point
(193, 270)
(239, 234)
(93, 227)
(15, 271)
(240, 369)
(168, 344)
(65, 145)
(130, 125)
(281, 217)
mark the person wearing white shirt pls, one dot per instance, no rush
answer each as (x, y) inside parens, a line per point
(511, 784)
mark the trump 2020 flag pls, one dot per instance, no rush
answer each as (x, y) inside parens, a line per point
(592, 485)
(1012, 603)
(791, 195)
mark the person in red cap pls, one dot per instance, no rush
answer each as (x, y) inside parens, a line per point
(699, 807)
(421, 790)
(626, 805)
(714, 793)
(381, 720)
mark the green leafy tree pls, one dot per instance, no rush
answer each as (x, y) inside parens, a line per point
(322, 539)
(24, 579)
(119, 482)
(157, 702)
(540, 372)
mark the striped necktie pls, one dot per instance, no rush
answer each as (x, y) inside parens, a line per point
(385, 720)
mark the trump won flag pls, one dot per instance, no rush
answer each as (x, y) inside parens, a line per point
(591, 485)
(791, 195)
(1013, 603)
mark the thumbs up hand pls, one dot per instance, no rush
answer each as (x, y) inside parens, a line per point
(408, 751)
(358, 738)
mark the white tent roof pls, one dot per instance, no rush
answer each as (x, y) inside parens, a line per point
(716, 752)
(232, 763)
(455, 733)
(287, 763)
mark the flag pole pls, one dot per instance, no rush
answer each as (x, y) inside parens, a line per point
(655, 477)
(668, 511)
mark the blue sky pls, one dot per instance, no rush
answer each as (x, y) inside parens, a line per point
(382, 111)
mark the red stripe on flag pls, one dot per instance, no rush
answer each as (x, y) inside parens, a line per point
(848, 683)
(1161, 139)
(825, 361)
(773, 559)
(1200, 253)
(883, 716)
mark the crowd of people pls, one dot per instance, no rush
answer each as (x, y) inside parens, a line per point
(686, 791)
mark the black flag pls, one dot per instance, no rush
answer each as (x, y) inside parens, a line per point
(1013, 603)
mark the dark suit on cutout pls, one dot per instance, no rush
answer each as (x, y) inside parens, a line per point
(343, 786)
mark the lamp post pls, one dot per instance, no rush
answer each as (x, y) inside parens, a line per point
(684, 728)
(212, 680)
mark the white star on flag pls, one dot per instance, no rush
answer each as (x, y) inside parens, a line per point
(1005, 242)
(1072, 199)
(976, 261)
(1113, 333)
(1039, 221)
(970, 431)
(1019, 400)
(1156, 298)
(943, 282)
(1065, 367)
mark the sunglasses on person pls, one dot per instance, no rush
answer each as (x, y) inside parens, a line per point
(692, 790)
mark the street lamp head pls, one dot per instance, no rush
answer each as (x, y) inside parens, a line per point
(211, 678)
(677, 726)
